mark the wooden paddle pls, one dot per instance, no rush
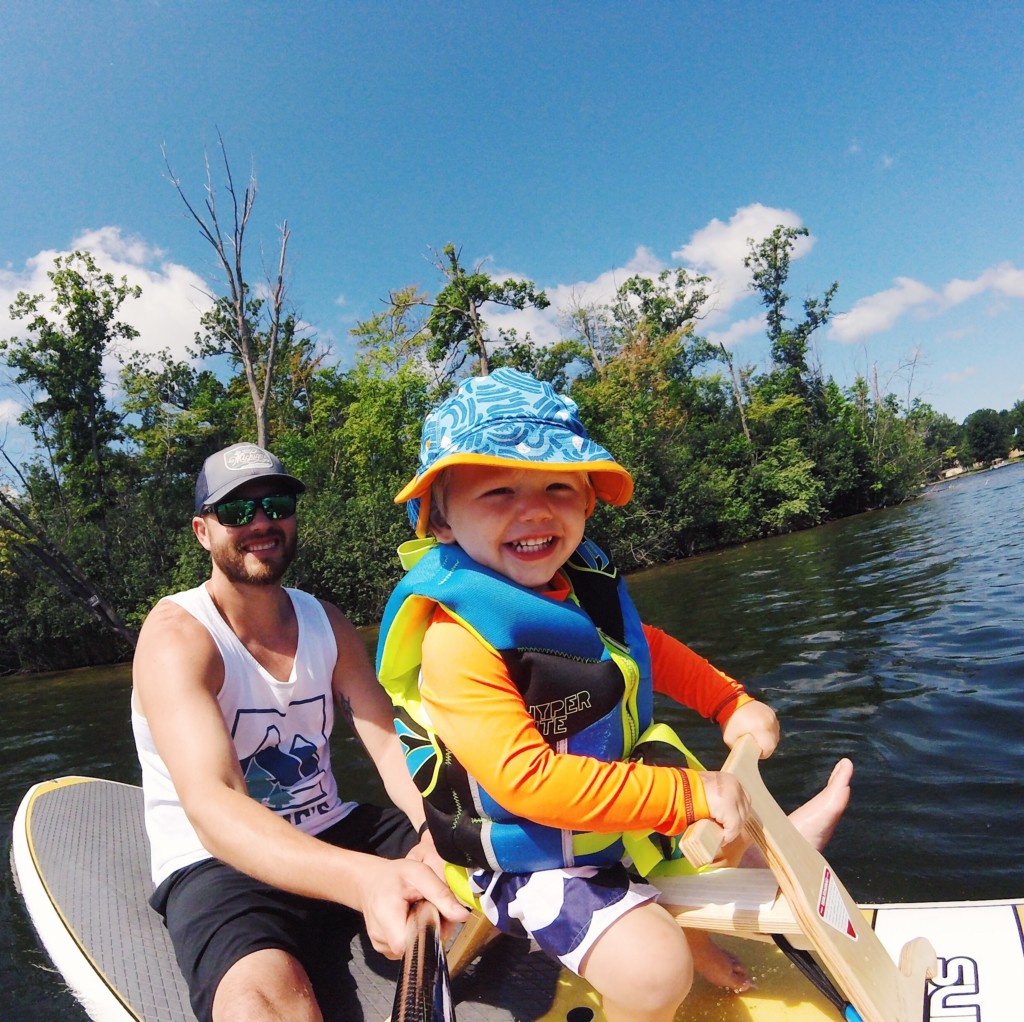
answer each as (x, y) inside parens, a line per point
(423, 993)
(829, 918)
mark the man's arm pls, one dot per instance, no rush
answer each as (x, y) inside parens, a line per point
(363, 701)
(177, 674)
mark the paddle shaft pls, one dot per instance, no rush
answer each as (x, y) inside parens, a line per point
(859, 965)
(423, 993)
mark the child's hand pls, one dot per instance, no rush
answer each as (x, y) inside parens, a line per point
(757, 719)
(728, 803)
(425, 852)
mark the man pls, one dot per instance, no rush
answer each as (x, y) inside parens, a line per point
(235, 687)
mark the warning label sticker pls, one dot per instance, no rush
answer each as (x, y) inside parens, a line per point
(832, 908)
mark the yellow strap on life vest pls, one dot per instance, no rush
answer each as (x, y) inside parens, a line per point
(647, 856)
(590, 842)
(457, 878)
(410, 552)
(663, 733)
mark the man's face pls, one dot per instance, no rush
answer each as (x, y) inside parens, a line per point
(255, 554)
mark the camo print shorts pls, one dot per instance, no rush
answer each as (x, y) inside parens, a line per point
(563, 910)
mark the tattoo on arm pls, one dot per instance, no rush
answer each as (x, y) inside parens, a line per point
(345, 707)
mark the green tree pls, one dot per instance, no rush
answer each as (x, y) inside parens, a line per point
(942, 437)
(783, 490)
(61, 363)
(456, 326)
(985, 437)
(60, 519)
(638, 400)
(769, 262)
(1015, 422)
(367, 426)
(397, 335)
(646, 308)
(553, 363)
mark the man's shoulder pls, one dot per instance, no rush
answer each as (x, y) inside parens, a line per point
(301, 599)
(170, 640)
(170, 627)
(170, 613)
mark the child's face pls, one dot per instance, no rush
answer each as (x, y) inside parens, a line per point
(522, 523)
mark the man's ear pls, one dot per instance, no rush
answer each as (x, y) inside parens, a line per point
(202, 533)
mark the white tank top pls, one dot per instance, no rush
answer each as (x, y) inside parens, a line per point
(281, 731)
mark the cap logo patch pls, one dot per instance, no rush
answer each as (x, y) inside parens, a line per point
(242, 459)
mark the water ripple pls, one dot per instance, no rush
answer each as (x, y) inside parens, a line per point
(896, 638)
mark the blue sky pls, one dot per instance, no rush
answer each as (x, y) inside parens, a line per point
(569, 143)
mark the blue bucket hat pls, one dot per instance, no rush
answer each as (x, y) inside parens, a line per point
(509, 418)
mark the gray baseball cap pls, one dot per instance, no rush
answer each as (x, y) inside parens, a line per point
(225, 471)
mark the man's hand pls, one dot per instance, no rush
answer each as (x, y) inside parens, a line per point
(389, 889)
(757, 719)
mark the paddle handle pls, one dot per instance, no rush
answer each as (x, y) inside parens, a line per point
(423, 993)
(702, 841)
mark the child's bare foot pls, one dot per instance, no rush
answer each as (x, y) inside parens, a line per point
(816, 819)
(715, 964)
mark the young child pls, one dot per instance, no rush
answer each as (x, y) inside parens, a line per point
(523, 681)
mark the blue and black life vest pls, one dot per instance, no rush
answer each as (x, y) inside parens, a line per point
(582, 666)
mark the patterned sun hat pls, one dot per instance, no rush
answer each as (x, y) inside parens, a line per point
(509, 417)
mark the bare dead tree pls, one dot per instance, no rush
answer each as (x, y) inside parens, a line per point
(256, 354)
(737, 393)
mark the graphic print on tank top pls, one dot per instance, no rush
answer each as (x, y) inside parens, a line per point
(280, 755)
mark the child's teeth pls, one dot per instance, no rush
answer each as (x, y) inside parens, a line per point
(532, 544)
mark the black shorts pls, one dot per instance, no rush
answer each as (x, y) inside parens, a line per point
(216, 915)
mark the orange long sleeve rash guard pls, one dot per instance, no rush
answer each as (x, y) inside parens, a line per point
(480, 715)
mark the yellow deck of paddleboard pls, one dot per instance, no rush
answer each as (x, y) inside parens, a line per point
(979, 945)
(81, 858)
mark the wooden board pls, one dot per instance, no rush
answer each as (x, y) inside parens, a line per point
(81, 861)
(881, 986)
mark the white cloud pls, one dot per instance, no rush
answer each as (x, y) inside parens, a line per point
(960, 375)
(719, 249)
(9, 412)
(173, 296)
(1004, 279)
(878, 312)
(127, 250)
(735, 332)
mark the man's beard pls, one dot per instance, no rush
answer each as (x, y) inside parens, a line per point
(231, 561)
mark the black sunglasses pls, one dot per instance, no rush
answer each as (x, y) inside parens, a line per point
(242, 510)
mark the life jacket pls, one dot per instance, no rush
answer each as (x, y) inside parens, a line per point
(582, 666)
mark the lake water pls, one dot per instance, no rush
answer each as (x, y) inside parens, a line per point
(895, 638)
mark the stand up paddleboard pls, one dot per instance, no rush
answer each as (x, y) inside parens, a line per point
(81, 862)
